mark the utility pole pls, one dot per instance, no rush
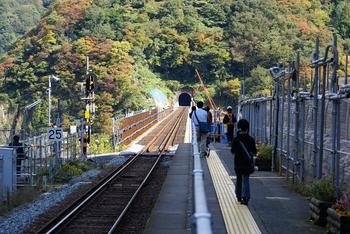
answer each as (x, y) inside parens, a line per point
(346, 69)
(49, 111)
(113, 136)
(49, 91)
(58, 124)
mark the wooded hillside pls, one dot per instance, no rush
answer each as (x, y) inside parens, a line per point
(17, 17)
(137, 45)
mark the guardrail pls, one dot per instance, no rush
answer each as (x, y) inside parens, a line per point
(126, 130)
(201, 216)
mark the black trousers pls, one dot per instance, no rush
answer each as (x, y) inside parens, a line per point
(229, 133)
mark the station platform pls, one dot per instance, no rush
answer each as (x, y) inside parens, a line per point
(273, 207)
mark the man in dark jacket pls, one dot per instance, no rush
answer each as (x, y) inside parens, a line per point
(244, 149)
(210, 122)
(20, 155)
(230, 120)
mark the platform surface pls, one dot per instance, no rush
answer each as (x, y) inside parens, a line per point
(273, 207)
(173, 209)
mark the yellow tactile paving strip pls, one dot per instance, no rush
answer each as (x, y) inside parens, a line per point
(237, 217)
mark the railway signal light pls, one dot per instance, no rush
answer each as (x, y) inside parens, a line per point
(90, 82)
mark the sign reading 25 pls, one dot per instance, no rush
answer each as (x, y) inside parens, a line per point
(55, 134)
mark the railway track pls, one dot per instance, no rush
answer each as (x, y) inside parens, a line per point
(129, 128)
(102, 208)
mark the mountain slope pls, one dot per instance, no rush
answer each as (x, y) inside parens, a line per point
(17, 17)
(133, 43)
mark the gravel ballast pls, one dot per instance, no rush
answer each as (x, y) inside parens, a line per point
(23, 216)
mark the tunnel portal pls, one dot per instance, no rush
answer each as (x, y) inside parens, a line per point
(185, 99)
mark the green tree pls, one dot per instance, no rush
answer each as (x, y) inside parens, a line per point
(259, 83)
(341, 18)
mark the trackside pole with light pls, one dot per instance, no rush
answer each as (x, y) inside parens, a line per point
(89, 109)
(49, 92)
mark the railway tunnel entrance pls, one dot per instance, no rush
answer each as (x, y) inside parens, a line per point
(185, 99)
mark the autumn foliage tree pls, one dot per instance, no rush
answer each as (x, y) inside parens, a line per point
(135, 46)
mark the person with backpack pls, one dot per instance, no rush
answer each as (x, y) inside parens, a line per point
(230, 120)
(244, 149)
(200, 120)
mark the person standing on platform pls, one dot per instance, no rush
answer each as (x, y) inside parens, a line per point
(210, 116)
(230, 120)
(193, 108)
(244, 149)
(200, 120)
(210, 122)
(20, 154)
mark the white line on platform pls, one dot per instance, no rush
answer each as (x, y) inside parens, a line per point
(261, 177)
(278, 198)
(266, 177)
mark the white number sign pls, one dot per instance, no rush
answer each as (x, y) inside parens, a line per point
(55, 134)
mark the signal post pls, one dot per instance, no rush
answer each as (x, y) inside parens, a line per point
(89, 111)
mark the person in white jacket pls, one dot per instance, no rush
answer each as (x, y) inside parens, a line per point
(200, 115)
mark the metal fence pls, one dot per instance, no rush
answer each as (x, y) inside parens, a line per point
(41, 157)
(310, 130)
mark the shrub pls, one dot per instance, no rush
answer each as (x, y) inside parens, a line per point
(42, 171)
(68, 170)
(265, 151)
(101, 144)
(301, 188)
(323, 189)
(120, 148)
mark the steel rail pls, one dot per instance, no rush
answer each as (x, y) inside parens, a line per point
(153, 147)
(154, 139)
(58, 222)
(173, 131)
(153, 144)
(162, 150)
(121, 216)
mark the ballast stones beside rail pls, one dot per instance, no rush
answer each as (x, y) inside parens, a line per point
(24, 215)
